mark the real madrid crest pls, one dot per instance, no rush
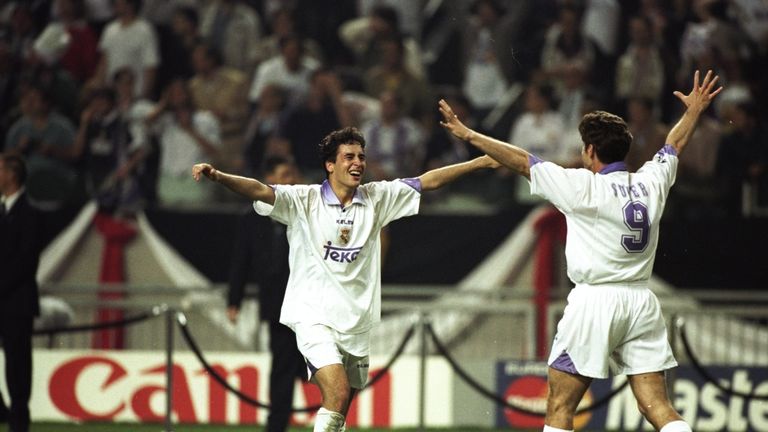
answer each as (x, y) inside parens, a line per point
(344, 235)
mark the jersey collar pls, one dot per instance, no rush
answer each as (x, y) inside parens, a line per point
(613, 167)
(330, 198)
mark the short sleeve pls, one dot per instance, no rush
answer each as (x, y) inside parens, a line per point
(565, 188)
(287, 200)
(662, 167)
(395, 199)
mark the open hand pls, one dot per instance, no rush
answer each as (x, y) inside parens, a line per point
(451, 121)
(701, 95)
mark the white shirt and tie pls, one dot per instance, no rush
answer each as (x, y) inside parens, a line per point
(7, 202)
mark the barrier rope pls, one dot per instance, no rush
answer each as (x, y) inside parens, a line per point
(157, 310)
(500, 400)
(182, 321)
(702, 371)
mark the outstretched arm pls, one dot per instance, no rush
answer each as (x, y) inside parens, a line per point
(508, 155)
(440, 177)
(696, 102)
(247, 187)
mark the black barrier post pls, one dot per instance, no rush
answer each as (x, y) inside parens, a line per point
(169, 313)
(423, 370)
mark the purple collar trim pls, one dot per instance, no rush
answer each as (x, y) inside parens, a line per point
(613, 167)
(330, 198)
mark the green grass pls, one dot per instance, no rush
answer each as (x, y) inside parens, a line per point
(133, 427)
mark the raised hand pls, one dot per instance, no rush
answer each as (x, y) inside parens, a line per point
(701, 95)
(204, 169)
(452, 123)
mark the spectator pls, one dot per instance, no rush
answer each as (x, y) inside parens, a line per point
(640, 70)
(396, 141)
(134, 112)
(45, 138)
(185, 134)
(263, 126)
(648, 134)
(233, 28)
(566, 49)
(282, 24)
(129, 41)
(291, 70)
(43, 68)
(221, 90)
(110, 155)
(390, 74)
(23, 30)
(81, 56)
(540, 131)
(176, 45)
(485, 80)
(743, 154)
(362, 35)
(305, 125)
(261, 256)
(20, 245)
(9, 78)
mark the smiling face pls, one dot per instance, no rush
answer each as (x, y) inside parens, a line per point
(348, 168)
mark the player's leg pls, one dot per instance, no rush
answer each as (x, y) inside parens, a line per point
(336, 394)
(650, 390)
(565, 393)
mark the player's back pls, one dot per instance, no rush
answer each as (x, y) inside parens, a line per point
(612, 216)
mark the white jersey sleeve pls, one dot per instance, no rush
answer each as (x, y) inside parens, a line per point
(394, 199)
(565, 188)
(662, 168)
(287, 201)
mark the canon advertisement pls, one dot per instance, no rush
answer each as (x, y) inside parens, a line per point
(701, 403)
(129, 386)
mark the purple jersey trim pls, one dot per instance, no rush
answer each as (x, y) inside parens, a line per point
(564, 363)
(613, 167)
(533, 160)
(330, 198)
(413, 182)
(667, 149)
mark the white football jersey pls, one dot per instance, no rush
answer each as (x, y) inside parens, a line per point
(612, 217)
(335, 252)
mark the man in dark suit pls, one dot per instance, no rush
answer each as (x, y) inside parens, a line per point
(20, 244)
(261, 256)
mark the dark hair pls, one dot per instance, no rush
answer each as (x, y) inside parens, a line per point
(103, 92)
(292, 37)
(495, 5)
(189, 13)
(135, 5)
(329, 146)
(608, 133)
(272, 162)
(211, 53)
(387, 14)
(14, 163)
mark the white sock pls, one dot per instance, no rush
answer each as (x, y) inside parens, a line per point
(676, 426)
(328, 421)
(554, 429)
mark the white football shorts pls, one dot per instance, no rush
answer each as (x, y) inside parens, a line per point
(617, 328)
(322, 346)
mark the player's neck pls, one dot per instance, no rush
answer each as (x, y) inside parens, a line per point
(344, 193)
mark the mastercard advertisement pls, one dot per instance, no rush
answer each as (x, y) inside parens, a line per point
(704, 405)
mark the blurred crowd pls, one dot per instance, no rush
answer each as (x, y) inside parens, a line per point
(116, 100)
